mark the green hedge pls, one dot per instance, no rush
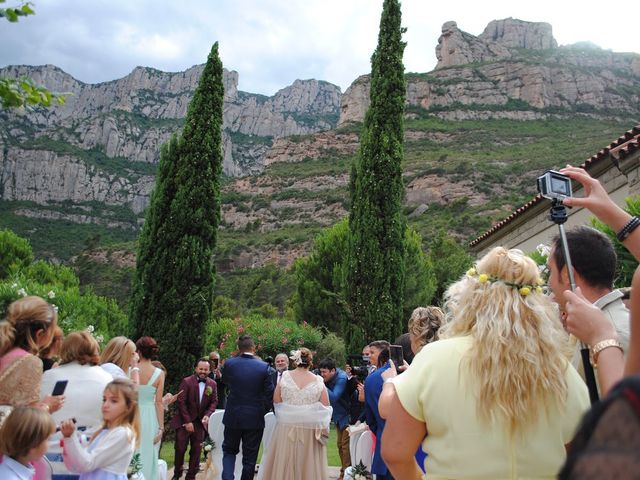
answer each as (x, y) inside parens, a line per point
(272, 336)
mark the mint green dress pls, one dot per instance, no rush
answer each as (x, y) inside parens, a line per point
(149, 427)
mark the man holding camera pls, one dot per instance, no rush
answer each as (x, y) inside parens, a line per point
(335, 380)
(594, 264)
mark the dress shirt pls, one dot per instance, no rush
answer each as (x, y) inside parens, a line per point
(201, 386)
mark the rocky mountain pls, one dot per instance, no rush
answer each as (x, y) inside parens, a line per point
(514, 69)
(89, 165)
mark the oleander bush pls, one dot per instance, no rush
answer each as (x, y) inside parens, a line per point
(272, 336)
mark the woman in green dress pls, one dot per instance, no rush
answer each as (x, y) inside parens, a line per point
(150, 394)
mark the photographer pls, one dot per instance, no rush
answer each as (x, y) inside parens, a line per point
(335, 380)
(594, 264)
(584, 320)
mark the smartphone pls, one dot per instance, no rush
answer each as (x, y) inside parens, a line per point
(59, 387)
(215, 363)
(395, 354)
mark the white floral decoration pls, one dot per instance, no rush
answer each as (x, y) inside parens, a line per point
(296, 356)
(22, 292)
(51, 294)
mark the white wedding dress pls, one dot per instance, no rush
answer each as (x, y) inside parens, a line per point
(297, 449)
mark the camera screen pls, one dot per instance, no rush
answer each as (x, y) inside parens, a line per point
(560, 185)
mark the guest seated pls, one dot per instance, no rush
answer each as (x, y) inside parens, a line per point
(23, 441)
(120, 359)
(79, 366)
(499, 372)
(28, 328)
(49, 354)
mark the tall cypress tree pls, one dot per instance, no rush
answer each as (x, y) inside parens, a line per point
(376, 221)
(174, 281)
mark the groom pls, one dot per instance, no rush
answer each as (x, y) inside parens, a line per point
(197, 400)
(250, 388)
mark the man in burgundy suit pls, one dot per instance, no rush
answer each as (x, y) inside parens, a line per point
(196, 403)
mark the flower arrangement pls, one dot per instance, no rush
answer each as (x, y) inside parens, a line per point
(208, 445)
(523, 289)
(135, 466)
(360, 472)
(210, 471)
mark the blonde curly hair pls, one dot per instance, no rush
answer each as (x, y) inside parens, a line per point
(520, 348)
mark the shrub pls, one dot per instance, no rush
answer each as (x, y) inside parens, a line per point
(271, 335)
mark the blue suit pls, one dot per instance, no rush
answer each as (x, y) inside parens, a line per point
(372, 390)
(250, 388)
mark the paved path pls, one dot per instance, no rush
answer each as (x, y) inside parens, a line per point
(334, 473)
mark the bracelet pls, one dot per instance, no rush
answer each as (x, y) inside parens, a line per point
(601, 345)
(135, 369)
(628, 228)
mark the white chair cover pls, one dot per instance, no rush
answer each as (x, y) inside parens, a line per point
(162, 469)
(269, 425)
(216, 432)
(364, 450)
(353, 441)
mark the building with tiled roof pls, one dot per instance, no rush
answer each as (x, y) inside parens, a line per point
(616, 166)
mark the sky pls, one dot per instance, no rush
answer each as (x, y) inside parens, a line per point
(271, 43)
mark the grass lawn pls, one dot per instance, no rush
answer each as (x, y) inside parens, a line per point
(167, 451)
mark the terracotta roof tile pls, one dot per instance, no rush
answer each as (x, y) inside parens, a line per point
(620, 148)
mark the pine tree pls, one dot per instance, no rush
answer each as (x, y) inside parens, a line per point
(174, 282)
(376, 222)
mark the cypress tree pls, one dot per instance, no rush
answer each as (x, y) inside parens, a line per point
(175, 275)
(376, 222)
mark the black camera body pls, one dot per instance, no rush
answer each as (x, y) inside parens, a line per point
(358, 367)
(554, 185)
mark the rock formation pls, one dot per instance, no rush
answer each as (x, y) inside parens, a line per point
(514, 69)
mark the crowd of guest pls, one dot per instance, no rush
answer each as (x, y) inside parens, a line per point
(492, 385)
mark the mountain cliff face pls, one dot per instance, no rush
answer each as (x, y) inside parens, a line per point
(55, 154)
(514, 69)
(92, 161)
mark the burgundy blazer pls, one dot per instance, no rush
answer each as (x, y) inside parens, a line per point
(189, 407)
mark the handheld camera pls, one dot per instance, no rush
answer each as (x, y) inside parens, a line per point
(554, 185)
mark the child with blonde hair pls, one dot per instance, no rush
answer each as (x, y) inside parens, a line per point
(23, 440)
(111, 448)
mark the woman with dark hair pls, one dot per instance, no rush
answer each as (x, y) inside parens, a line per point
(49, 354)
(27, 329)
(150, 394)
(301, 404)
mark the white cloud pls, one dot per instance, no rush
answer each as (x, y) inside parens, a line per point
(271, 43)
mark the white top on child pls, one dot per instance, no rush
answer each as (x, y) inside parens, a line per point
(110, 451)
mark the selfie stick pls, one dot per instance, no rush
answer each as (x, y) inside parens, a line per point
(558, 215)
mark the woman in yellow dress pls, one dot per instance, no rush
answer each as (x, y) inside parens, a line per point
(495, 397)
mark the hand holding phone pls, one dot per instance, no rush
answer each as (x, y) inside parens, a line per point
(59, 387)
(395, 354)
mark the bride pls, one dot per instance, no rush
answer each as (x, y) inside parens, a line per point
(301, 404)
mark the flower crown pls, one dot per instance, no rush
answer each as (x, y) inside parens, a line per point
(523, 288)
